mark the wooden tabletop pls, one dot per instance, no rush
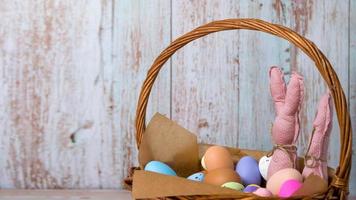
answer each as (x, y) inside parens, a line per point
(64, 194)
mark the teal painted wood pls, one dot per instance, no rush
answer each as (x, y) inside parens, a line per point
(141, 31)
(328, 29)
(73, 70)
(205, 73)
(49, 54)
(257, 53)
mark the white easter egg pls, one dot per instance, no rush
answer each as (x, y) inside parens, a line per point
(203, 163)
(263, 165)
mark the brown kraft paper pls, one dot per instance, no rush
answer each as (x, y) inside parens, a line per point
(166, 141)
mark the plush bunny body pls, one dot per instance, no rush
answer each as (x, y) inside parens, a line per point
(285, 130)
(316, 157)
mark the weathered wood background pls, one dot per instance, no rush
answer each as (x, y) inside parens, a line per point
(72, 70)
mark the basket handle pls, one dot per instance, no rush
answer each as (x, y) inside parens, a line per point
(340, 181)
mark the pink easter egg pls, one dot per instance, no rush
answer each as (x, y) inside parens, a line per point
(275, 182)
(262, 192)
(289, 187)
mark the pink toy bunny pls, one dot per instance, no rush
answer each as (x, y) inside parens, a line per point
(285, 130)
(319, 141)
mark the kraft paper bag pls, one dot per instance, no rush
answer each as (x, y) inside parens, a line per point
(152, 185)
(166, 141)
(312, 185)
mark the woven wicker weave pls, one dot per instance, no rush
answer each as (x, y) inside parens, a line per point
(338, 188)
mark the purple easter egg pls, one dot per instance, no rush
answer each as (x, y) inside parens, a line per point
(251, 188)
(248, 170)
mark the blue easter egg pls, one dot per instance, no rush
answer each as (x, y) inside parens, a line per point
(160, 167)
(247, 168)
(196, 177)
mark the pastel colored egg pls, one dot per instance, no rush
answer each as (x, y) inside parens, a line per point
(160, 167)
(289, 187)
(217, 157)
(263, 165)
(247, 168)
(275, 182)
(262, 192)
(197, 176)
(221, 176)
(251, 188)
(203, 163)
(233, 185)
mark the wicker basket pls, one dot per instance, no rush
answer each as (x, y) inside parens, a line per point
(338, 187)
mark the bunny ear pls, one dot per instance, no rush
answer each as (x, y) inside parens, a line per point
(277, 87)
(324, 114)
(319, 140)
(294, 95)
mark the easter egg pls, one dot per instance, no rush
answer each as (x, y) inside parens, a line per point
(221, 176)
(263, 165)
(160, 167)
(233, 185)
(275, 182)
(289, 187)
(217, 157)
(197, 176)
(203, 163)
(251, 188)
(262, 192)
(247, 168)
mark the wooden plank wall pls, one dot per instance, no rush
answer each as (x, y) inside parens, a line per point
(72, 71)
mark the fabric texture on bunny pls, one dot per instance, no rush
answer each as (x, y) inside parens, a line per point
(316, 157)
(285, 130)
